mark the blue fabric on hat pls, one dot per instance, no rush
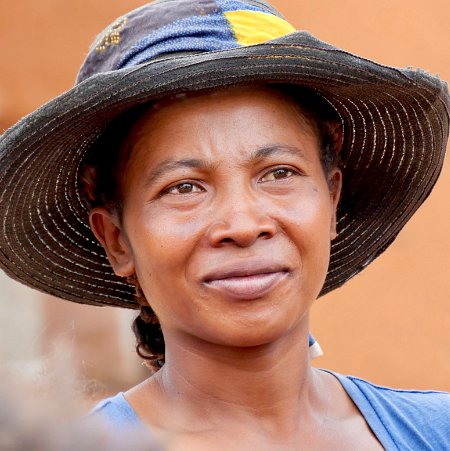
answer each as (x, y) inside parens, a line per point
(234, 5)
(193, 34)
(198, 33)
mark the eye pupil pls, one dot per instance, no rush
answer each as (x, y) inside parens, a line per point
(280, 173)
(185, 188)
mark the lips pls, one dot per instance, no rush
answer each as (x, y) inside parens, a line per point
(246, 280)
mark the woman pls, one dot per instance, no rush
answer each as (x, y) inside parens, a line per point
(208, 146)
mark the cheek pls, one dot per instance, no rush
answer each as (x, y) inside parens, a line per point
(309, 211)
(162, 244)
(307, 221)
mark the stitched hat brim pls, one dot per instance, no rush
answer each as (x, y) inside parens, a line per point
(395, 134)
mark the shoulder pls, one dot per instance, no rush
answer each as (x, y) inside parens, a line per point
(412, 418)
(413, 402)
(116, 411)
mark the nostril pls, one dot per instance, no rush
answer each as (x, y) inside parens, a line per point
(242, 231)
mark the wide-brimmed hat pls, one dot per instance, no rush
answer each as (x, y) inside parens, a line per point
(395, 130)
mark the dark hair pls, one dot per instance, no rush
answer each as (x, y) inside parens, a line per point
(100, 186)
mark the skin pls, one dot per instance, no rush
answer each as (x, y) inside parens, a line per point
(227, 222)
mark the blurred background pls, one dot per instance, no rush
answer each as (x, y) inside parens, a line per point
(390, 324)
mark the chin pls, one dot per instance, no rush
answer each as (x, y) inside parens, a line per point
(255, 331)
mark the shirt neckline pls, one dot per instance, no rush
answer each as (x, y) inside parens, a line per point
(353, 391)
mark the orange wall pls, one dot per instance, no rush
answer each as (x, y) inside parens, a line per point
(391, 323)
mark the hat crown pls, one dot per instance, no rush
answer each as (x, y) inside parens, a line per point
(167, 27)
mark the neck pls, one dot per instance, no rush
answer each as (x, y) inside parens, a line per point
(272, 382)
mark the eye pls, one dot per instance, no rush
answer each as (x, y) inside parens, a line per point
(278, 174)
(184, 188)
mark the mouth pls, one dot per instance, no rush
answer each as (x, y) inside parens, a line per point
(246, 281)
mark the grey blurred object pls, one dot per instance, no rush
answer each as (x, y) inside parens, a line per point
(47, 412)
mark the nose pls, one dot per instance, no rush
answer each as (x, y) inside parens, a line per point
(241, 227)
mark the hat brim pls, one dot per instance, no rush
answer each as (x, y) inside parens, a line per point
(395, 134)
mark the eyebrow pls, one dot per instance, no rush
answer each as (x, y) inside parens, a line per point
(275, 149)
(170, 165)
(259, 154)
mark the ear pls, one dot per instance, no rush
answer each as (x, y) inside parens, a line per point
(109, 232)
(335, 184)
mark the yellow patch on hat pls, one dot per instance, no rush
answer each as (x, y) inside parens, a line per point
(252, 27)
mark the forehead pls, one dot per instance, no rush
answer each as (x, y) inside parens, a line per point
(229, 113)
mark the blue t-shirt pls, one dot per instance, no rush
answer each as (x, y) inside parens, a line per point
(400, 419)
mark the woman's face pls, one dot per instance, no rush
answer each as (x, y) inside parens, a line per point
(227, 216)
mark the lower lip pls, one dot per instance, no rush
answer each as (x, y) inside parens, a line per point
(248, 287)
